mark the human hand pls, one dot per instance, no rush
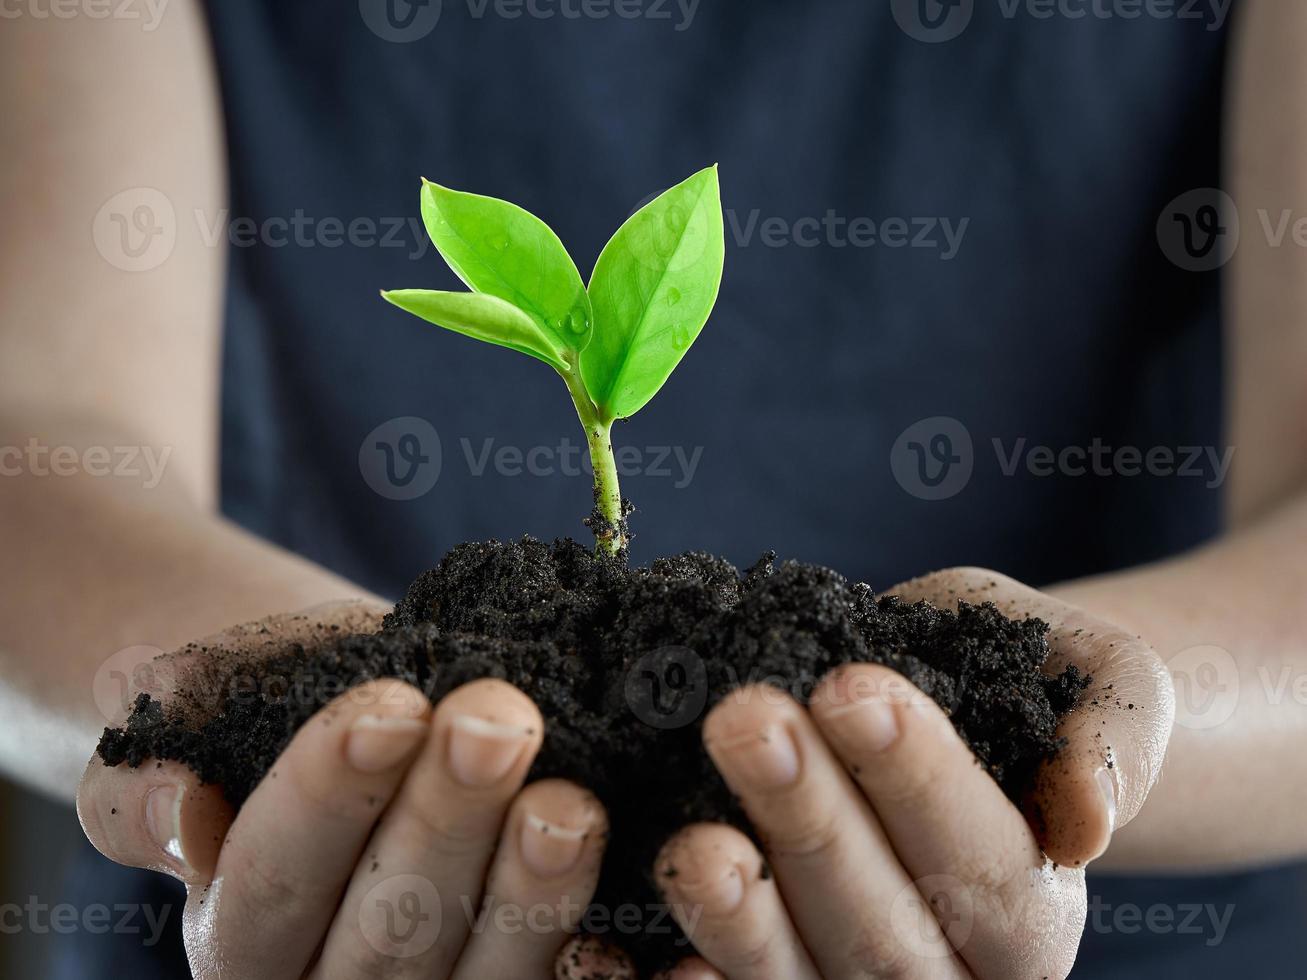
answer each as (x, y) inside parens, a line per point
(367, 849)
(889, 851)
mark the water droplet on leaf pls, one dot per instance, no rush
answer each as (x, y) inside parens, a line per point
(575, 322)
(673, 296)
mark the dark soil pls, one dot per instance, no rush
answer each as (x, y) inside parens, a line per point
(623, 663)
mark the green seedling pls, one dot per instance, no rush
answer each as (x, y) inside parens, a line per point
(614, 342)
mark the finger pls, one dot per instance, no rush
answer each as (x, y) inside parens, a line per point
(195, 679)
(692, 969)
(729, 906)
(436, 839)
(968, 850)
(290, 852)
(1115, 740)
(542, 879)
(836, 869)
(590, 958)
(159, 816)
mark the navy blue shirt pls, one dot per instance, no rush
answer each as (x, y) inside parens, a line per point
(942, 268)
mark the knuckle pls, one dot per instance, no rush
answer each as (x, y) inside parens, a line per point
(447, 832)
(987, 873)
(810, 837)
(875, 954)
(494, 695)
(388, 693)
(750, 705)
(1040, 919)
(334, 800)
(268, 893)
(750, 952)
(908, 786)
(364, 961)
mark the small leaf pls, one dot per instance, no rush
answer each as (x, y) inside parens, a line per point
(483, 317)
(653, 287)
(501, 250)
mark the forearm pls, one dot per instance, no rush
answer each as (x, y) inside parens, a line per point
(1233, 790)
(95, 564)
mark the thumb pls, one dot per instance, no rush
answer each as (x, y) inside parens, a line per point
(159, 817)
(1115, 739)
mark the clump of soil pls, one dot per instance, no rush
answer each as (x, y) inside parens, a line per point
(623, 663)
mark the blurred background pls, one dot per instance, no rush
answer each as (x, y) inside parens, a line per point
(954, 224)
(38, 839)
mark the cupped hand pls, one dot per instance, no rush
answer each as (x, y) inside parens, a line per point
(889, 852)
(389, 839)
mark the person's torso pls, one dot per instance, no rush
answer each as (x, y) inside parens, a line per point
(947, 332)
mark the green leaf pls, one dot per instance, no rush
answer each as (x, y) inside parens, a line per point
(653, 287)
(501, 250)
(483, 317)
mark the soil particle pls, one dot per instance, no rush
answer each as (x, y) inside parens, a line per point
(623, 664)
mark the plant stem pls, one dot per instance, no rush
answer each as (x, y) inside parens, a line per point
(608, 495)
(609, 536)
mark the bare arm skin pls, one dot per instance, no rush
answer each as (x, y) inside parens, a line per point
(1234, 793)
(91, 355)
(837, 789)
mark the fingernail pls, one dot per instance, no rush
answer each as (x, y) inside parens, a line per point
(765, 760)
(548, 849)
(867, 722)
(163, 819)
(718, 896)
(482, 752)
(1107, 786)
(377, 743)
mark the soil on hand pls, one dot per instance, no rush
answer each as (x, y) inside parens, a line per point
(623, 663)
